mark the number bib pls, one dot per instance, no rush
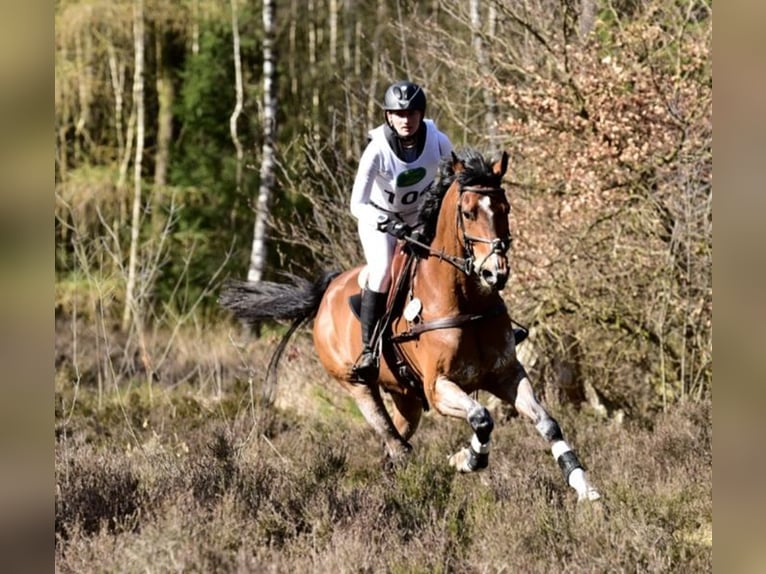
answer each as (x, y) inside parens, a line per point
(398, 187)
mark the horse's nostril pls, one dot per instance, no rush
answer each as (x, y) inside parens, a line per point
(488, 276)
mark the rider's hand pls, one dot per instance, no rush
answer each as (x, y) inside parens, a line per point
(381, 222)
(398, 229)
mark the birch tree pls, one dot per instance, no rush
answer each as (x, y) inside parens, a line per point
(266, 187)
(239, 93)
(138, 99)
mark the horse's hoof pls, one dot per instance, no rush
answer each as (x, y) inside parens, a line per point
(466, 460)
(397, 457)
(458, 460)
(589, 495)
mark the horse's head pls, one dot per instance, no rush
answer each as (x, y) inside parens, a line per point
(482, 219)
(465, 217)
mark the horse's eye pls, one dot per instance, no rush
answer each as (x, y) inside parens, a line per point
(469, 215)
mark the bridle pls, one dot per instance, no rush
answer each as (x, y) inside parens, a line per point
(467, 264)
(500, 245)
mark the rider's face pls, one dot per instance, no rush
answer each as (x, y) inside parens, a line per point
(405, 122)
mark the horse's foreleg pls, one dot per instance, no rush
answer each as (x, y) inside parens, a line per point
(527, 404)
(449, 399)
(370, 403)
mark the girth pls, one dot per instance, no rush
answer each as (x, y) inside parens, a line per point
(445, 323)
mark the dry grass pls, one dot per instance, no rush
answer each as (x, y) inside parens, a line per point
(193, 475)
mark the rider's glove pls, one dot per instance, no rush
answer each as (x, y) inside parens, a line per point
(381, 222)
(398, 229)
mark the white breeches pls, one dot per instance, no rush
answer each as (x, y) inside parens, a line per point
(378, 248)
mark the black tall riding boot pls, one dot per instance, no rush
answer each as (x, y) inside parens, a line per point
(373, 306)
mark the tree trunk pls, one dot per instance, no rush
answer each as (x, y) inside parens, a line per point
(352, 148)
(165, 97)
(124, 142)
(333, 33)
(117, 75)
(130, 311)
(122, 174)
(373, 115)
(403, 51)
(63, 119)
(587, 17)
(484, 71)
(293, 50)
(239, 94)
(195, 27)
(266, 187)
(164, 116)
(84, 76)
(313, 62)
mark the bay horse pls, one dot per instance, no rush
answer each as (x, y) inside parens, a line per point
(455, 335)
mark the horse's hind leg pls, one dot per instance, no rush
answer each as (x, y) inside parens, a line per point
(525, 401)
(371, 405)
(407, 412)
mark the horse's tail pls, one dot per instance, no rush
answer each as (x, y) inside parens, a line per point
(297, 301)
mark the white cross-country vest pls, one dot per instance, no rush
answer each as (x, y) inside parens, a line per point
(398, 187)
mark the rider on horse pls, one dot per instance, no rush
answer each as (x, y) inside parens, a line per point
(399, 163)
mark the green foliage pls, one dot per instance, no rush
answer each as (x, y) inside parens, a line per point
(206, 98)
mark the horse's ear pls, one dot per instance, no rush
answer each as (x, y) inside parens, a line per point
(457, 163)
(501, 166)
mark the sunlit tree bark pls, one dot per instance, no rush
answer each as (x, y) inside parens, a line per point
(381, 22)
(266, 188)
(334, 8)
(587, 17)
(239, 94)
(292, 52)
(124, 142)
(117, 76)
(313, 55)
(83, 54)
(352, 145)
(138, 98)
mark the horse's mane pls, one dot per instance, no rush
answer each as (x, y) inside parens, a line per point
(478, 171)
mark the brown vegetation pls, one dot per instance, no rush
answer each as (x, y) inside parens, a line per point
(197, 477)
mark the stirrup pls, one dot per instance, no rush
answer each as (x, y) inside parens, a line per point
(366, 367)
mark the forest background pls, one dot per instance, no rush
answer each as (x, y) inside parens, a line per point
(165, 118)
(605, 109)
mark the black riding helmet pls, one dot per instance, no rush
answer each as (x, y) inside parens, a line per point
(404, 96)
